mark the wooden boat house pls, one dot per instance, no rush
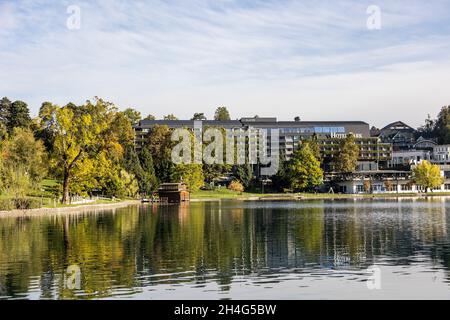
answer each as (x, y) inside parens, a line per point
(173, 193)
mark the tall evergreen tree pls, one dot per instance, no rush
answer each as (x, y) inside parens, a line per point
(282, 180)
(132, 164)
(442, 126)
(244, 174)
(149, 182)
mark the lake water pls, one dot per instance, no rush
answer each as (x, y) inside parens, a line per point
(342, 249)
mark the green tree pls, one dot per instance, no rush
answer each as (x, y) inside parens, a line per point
(427, 130)
(222, 114)
(315, 148)
(46, 124)
(130, 185)
(191, 174)
(281, 180)
(304, 170)
(19, 116)
(149, 181)
(22, 152)
(5, 110)
(120, 183)
(160, 145)
(1, 168)
(133, 115)
(244, 174)
(170, 117)
(14, 114)
(442, 126)
(150, 117)
(17, 182)
(82, 135)
(427, 175)
(347, 158)
(131, 164)
(199, 116)
(3, 132)
(122, 129)
(213, 172)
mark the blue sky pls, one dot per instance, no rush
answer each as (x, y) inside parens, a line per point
(315, 59)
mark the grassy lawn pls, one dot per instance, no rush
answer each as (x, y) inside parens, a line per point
(46, 195)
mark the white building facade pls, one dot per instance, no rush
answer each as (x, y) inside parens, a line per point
(409, 157)
(441, 154)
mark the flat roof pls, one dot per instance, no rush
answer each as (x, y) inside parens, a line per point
(243, 121)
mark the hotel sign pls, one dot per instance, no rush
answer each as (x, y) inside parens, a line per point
(335, 135)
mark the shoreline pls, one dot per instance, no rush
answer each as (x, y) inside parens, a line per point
(272, 197)
(66, 210)
(303, 197)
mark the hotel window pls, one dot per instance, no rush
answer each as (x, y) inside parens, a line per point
(318, 130)
(447, 186)
(406, 187)
(360, 188)
(329, 129)
(377, 187)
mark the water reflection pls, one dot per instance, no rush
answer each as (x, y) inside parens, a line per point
(233, 249)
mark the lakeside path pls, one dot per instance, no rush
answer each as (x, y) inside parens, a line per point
(66, 210)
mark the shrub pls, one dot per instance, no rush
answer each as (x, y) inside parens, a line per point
(27, 203)
(236, 186)
(6, 205)
(9, 204)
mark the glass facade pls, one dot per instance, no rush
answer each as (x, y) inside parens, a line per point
(329, 130)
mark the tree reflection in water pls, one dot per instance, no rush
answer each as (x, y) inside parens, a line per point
(127, 250)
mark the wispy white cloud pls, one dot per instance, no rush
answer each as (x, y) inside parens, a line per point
(255, 56)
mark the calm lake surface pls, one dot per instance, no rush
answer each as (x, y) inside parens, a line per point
(232, 250)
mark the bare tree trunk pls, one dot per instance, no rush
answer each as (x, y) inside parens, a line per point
(65, 198)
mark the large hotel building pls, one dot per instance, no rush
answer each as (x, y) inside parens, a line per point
(329, 134)
(386, 156)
